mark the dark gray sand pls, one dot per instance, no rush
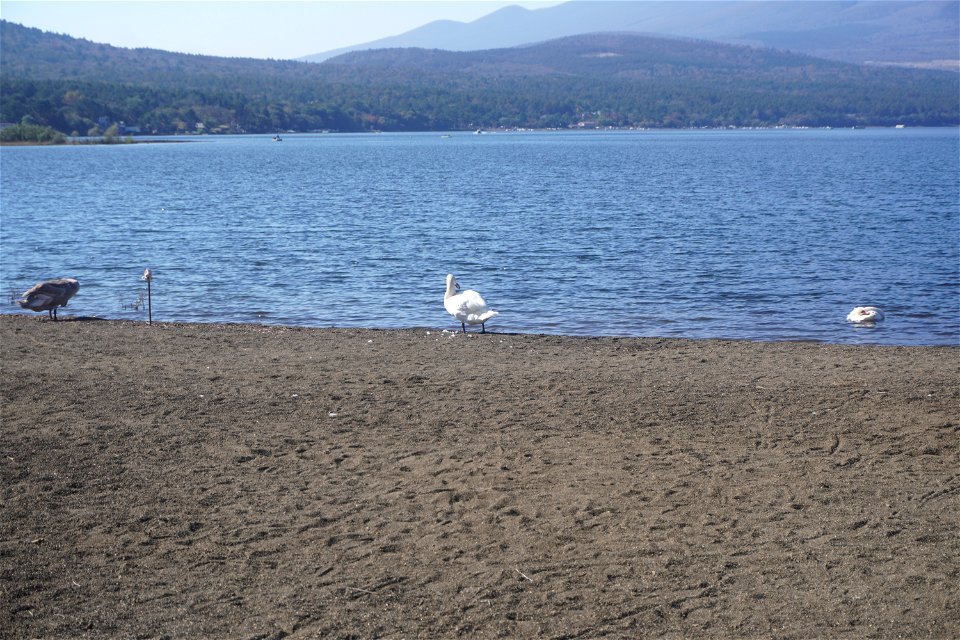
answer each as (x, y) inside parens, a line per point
(242, 481)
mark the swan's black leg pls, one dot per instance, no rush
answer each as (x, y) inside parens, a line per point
(464, 327)
(483, 327)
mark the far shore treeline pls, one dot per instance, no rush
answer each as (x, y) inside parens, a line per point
(80, 88)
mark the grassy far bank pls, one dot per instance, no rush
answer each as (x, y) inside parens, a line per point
(32, 134)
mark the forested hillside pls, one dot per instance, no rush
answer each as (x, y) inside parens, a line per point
(620, 80)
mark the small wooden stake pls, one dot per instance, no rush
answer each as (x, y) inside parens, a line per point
(149, 278)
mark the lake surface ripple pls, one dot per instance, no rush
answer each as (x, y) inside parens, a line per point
(761, 235)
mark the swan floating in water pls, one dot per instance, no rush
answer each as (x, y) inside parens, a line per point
(863, 315)
(467, 306)
(48, 295)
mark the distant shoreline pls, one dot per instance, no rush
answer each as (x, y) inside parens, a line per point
(69, 143)
(171, 138)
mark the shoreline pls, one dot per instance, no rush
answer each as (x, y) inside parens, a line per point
(85, 143)
(257, 480)
(493, 331)
(171, 137)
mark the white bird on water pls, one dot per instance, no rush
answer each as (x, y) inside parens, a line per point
(467, 306)
(865, 315)
(48, 295)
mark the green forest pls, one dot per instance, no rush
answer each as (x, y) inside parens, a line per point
(81, 88)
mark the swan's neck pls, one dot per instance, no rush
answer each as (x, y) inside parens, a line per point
(451, 290)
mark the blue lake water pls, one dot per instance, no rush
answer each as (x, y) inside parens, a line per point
(762, 235)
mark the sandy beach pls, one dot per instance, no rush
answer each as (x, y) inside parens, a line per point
(244, 481)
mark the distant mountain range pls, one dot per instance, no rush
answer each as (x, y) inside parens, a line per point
(922, 34)
(594, 80)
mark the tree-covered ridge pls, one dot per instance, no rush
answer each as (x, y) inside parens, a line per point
(602, 55)
(77, 86)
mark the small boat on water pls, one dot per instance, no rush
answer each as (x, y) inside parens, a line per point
(277, 137)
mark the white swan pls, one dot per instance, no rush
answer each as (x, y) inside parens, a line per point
(862, 315)
(48, 295)
(468, 306)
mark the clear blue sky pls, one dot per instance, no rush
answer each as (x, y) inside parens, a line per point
(244, 28)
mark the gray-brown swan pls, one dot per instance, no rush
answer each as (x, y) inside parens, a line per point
(48, 295)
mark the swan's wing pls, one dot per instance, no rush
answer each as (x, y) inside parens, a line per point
(474, 302)
(50, 293)
(465, 304)
(54, 288)
(453, 305)
(476, 308)
(460, 306)
(468, 306)
(36, 300)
